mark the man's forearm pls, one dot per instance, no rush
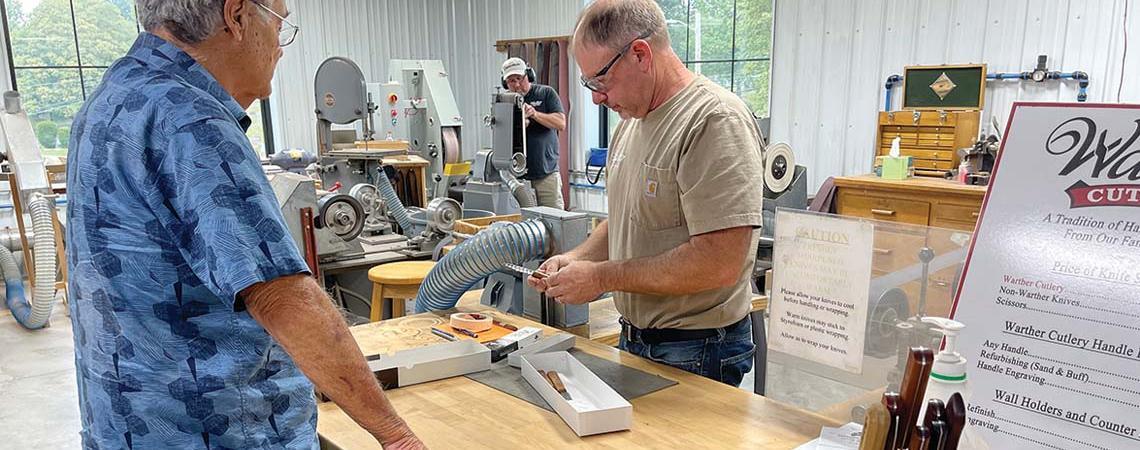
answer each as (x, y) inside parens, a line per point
(596, 247)
(555, 121)
(704, 263)
(299, 315)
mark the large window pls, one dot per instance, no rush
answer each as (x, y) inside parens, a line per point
(58, 51)
(728, 41)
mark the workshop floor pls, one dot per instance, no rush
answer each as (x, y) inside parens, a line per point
(39, 402)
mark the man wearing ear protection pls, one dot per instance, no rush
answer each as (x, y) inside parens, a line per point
(545, 119)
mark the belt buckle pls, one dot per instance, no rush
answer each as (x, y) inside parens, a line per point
(627, 330)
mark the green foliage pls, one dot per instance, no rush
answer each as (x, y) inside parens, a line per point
(44, 37)
(64, 134)
(708, 30)
(47, 133)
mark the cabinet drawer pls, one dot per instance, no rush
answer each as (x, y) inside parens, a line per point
(932, 164)
(952, 224)
(881, 208)
(921, 153)
(960, 213)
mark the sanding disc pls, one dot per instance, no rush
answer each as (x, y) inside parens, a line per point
(779, 167)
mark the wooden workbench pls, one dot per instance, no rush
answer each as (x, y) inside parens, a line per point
(919, 201)
(461, 413)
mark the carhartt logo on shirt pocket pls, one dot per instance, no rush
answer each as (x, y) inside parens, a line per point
(651, 188)
(659, 207)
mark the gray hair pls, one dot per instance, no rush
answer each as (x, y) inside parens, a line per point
(613, 23)
(190, 21)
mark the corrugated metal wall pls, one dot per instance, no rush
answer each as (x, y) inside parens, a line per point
(831, 58)
(461, 33)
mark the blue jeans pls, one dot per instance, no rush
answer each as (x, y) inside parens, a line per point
(725, 357)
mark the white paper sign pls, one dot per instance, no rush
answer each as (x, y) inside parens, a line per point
(822, 268)
(1051, 291)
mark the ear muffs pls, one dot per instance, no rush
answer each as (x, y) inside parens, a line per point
(530, 76)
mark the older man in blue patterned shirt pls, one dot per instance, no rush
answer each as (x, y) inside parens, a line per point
(196, 324)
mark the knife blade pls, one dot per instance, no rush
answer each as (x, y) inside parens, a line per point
(526, 273)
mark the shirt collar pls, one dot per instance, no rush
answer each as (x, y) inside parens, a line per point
(158, 52)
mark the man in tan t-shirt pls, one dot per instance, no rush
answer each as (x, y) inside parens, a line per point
(685, 190)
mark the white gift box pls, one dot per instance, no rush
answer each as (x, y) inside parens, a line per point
(435, 362)
(594, 407)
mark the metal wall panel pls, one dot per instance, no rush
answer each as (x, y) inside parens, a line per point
(461, 33)
(831, 58)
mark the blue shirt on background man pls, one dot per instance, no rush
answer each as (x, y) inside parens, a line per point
(169, 218)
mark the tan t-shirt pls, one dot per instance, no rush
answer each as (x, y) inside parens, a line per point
(692, 166)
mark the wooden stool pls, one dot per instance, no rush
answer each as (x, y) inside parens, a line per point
(397, 281)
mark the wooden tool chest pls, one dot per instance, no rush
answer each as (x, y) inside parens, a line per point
(931, 138)
(941, 110)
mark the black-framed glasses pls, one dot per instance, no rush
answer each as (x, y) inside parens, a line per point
(594, 83)
(288, 31)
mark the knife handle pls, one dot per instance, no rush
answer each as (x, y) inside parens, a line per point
(893, 404)
(920, 438)
(875, 428)
(556, 382)
(955, 421)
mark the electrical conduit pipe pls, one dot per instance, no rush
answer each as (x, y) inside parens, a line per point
(477, 258)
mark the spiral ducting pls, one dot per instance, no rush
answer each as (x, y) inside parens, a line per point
(486, 253)
(393, 202)
(33, 314)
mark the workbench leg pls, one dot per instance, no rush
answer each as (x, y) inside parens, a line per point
(377, 307)
(760, 361)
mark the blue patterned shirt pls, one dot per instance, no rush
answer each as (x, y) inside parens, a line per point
(169, 218)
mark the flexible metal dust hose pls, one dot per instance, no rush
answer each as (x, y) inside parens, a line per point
(393, 202)
(33, 314)
(519, 189)
(488, 252)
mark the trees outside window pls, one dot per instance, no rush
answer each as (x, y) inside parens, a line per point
(728, 41)
(59, 50)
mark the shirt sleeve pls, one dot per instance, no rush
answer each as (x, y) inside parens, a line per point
(552, 104)
(721, 176)
(221, 212)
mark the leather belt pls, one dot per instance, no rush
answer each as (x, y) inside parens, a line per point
(653, 336)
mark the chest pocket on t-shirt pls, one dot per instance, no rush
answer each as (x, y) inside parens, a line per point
(658, 207)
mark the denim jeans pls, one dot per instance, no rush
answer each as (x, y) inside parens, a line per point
(724, 358)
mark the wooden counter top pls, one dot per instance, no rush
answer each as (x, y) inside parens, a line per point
(696, 413)
(935, 185)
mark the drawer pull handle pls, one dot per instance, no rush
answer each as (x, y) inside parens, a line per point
(941, 283)
(883, 251)
(882, 212)
(975, 214)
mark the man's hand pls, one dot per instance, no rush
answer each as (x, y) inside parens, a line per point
(299, 315)
(576, 283)
(528, 110)
(549, 267)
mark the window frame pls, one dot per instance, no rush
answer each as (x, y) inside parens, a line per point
(603, 118)
(266, 115)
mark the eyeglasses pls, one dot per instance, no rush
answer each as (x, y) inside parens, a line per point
(288, 31)
(595, 83)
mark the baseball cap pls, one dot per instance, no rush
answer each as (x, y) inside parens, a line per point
(513, 66)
